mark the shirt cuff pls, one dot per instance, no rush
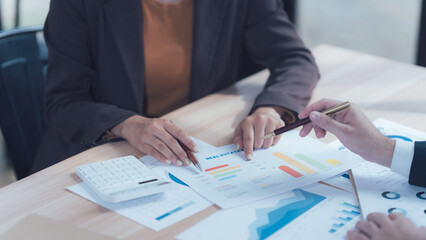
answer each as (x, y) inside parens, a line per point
(402, 157)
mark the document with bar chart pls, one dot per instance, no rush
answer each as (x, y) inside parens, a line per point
(228, 180)
(316, 210)
(156, 211)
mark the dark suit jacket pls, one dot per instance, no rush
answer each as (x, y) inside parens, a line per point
(95, 76)
(418, 166)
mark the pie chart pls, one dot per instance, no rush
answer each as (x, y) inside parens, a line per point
(391, 195)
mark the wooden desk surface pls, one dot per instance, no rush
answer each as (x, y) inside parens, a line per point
(382, 88)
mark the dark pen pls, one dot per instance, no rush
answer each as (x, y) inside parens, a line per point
(190, 155)
(329, 111)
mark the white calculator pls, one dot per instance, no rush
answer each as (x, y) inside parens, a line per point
(122, 179)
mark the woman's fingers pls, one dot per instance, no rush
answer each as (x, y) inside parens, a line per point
(249, 133)
(178, 133)
(173, 144)
(148, 149)
(248, 140)
(259, 125)
(238, 137)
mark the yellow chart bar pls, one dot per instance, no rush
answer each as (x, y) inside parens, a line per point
(334, 161)
(295, 163)
(223, 170)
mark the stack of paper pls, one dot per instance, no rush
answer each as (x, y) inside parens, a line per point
(270, 197)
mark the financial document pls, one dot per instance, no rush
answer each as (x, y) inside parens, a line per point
(228, 180)
(381, 190)
(156, 211)
(341, 181)
(316, 210)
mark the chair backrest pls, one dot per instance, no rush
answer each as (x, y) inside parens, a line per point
(21, 96)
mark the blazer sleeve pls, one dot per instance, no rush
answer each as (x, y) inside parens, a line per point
(71, 108)
(418, 166)
(274, 43)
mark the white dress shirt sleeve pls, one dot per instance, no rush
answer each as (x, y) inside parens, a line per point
(402, 157)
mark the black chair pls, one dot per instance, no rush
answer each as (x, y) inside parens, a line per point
(22, 59)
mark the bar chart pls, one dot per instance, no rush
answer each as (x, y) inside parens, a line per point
(302, 164)
(224, 172)
(345, 214)
(317, 210)
(302, 167)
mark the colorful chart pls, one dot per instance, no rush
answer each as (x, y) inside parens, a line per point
(269, 220)
(301, 166)
(295, 163)
(391, 195)
(307, 213)
(224, 172)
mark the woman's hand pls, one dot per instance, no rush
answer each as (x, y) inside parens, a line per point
(352, 128)
(156, 137)
(249, 132)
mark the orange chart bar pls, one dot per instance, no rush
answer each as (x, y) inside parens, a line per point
(214, 168)
(295, 163)
(223, 170)
(290, 171)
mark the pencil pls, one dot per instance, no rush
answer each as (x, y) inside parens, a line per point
(329, 111)
(190, 155)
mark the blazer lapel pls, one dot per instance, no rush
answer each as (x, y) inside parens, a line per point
(125, 20)
(208, 20)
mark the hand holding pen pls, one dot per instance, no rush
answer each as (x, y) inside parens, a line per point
(331, 111)
(352, 128)
(156, 137)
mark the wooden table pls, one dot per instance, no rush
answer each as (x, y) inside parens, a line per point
(382, 88)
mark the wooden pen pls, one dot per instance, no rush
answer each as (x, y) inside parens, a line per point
(190, 155)
(329, 111)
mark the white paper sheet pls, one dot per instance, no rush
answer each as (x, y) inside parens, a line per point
(341, 181)
(381, 190)
(228, 180)
(157, 211)
(313, 212)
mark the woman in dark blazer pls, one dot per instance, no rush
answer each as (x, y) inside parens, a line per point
(96, 86)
